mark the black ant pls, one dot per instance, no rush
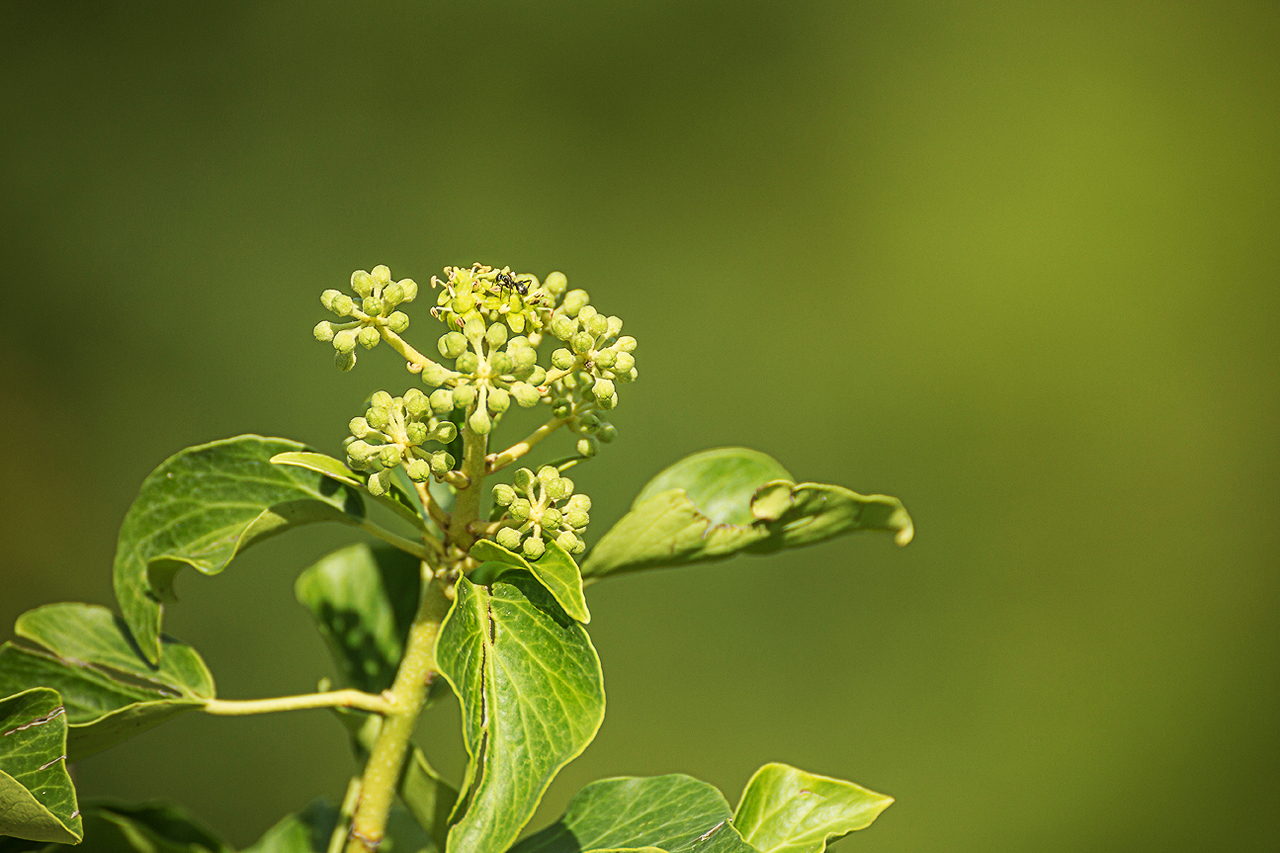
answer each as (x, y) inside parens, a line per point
(505, 281)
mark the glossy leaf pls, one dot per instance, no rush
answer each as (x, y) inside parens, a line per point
(397, 498)
(785, 810)
(674, 813)
(363, 599)
(532, 698)
(37, 800)
(715, 504)
(555, 570)
(203, 506)
(109, 690)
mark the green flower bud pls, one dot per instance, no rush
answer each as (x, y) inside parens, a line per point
(390, 456)
(441, 463)
(379, 483)
(323, 331)
(586, 315)
(556, 284)
(537, 376)
(359, 427)
(398, 321)
(577, 520)
(575, 301)
(433, 374)
(464, 396)
(368, 337)
(627, 377)
(520, 509)
(499, 401)
(474, 329)
(597, 325)
(372, 306)
(509, 538)
(500, 362)
(523, 479)
(468, 362)
(548, 474)
(345, 341)
(441, 401)
(381, 400)
(523, 357)
(344, 360)
(562, 327)
(602, 389)
(559, 488)
(344, 306)
(503, 495)
(452, 344)
(551, 518)
(415, 402)
(361, 451)
(582, 342)
(626, 343)
(496, 335)
(607, 433)
(416, 432)
(381, 275)
(578, 503)
(526, 395)
(607, 403)
(613, 326)
(444, 432)
(533, 548)
(378, 418)
(562, 359)
(623, 361)
(606, 358)
(588, 446)
(362, 282)
(328, 297)
(408, 289)
(479, 422)
(392, 295)
(571, 542)
(561, 407)
(418, 469)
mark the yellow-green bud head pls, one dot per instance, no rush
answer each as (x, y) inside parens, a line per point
(556, 284)
(359, 427)
(418, 470)
(520, 509)
(577, 520)
(381, 275)
(368, 337)
(441, 401)
(559, 488)
(480, 422)
(398, 321)
(468, 362)
(415, 402)
(624, 362)
(344, 360)
(345, 341)
(533, 548)
(582, 342)
(408, 289)
(575, 301)
(550, 518)
(323, 331)
(362, 282)
(569, 541)
(496, 335)
(379, 483)
(561, 359)
(452, 344)
(526, 395)
(607, 433)
(602, 390)
(626, 343)
(588, 446)
(441, 463)
(509, 538)
(523, 479)
(389, 456)
(416, 432)
(503, 495)
(464, 396)
(613, 326)
(328, 298)
(562, 327)
(444, 432)
(499, 401)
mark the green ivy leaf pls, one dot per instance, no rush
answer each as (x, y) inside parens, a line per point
(203, 506)
(532, 697)
(675, 813)
(363, 599)
(37, 800)
(109, 690)
(785, 810)
(555, 570)
(149, 828)
(718, 503)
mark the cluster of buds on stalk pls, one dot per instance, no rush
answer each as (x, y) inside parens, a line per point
(540, 508)
(495, 323)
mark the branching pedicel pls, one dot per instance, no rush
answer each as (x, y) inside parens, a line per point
(488, 602)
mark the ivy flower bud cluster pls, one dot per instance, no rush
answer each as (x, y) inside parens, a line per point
(490, 295)
(595, 359)
(541, 508)
(492, 371)
(370, 313)
(392, 434)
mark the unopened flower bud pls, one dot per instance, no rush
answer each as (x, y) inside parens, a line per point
(576, 519)
(562, 327)
(561, 359)
(323, 331)
(575, 301)
(503, 495)
(606, 358)
(361, 451)
(578, 503)
(607, 403)
(464, 396)
(556, 284)
(381, 400)
(570, 541)
(441, 401)
(433, 374)
(522, 357)
(509, 538)
(452, 344)
(607, 433)
(499, 401)
(345, 341)
(547, 474)
(415, 402)
(559, 488)
(626, 343)
(344, 306)
(523, 479)
(582, 342)
(418, 470)
(362, 282)
(368, 337)
(551, 518)
(379, 483)
(526, 395)
(328, 297)
(398, 321)
(537, 376)
(408, 289)
(614, 326)
(344, 360)
(359, 427)
(392, 295)
(371, 305)
(496, 335)
(381, 275)
(602, 389)
(500, 362)
(586, 314)
(474, 329)
(623, 361)
(533, 548)
(561, 407)
(390, 456)
(479, 422)
(520, 509)
(468, 362)
(441, 463)
(444, 432)
(588, 446)
(416, 432)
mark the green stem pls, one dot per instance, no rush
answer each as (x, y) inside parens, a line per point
(466, 506)
(333, 699)
(409, 546)
(498, 461)
(406, 697)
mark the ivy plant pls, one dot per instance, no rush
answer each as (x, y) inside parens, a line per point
(472, 583)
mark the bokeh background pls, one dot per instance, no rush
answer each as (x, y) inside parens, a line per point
(1016, 263)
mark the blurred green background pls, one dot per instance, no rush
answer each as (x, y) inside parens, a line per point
(1015, 263)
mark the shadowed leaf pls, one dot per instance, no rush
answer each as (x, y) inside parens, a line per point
(37, 800)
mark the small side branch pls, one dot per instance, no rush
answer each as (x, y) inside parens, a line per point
(409, 546)
(333, 699)
(498, 461)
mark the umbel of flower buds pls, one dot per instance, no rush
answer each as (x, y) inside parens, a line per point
(393, 433)
(541, 508)
(372, 310)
